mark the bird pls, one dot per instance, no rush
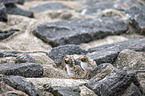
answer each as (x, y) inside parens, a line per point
(86, 65)
(70, 69)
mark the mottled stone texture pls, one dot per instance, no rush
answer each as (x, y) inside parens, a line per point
(137, 16)
(108, 53)
(79, 31)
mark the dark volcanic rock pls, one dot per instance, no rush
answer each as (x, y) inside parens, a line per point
(13, 9)
(3, 14)
(137, 15)
(57, 53)
(108, 53)
(4, 35)
(115, 84)
(63, 91)
(18, 83)
(22, 69)
(12, 1)
(48, 6)
(95, 9)
(79, 31)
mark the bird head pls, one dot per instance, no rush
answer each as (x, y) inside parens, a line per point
(84, 59)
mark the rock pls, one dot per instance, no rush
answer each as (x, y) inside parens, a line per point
(130, 60)
(101, 71)
(23, 39)
(104, 41)
(7, 54)
(6, 90)
(79, 31)
(12, 1)
(123, 3)
(4, 35)
(18, 83)
(97, 8)
(137, 16)
(48, 6)
(3, 13)
(13, 9)
(63, 91)
(39, 82)
(115, 84)
(132, 90)
(24, 58)
(22, 69)
(108, 53)
(57, 53)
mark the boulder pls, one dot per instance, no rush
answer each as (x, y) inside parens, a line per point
(115, 84)
(22, 69)
(137, 16)
(3, 13)
(6, 90)
(57, 53)
(108, 53)
(131, 61)
(79, 31)
(48, 7)
(13, 9)
(18, 83)
(101, 72)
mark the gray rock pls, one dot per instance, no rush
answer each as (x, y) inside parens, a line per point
(3, 14)
(48, 6)
(13, 9)
(79, 31)
(95, 9)
(57, 53)
(18, 83)
(130, 60)
(22, 69)
(115, 84)
(62, 91)
(6, 90)
(7, 54)
(12, 1)
(124, 3)
(4, 35)
(137, 16)
(108, 53)
(101, 71)
(24, 58)
(132, 90)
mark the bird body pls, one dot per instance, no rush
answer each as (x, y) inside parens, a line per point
(86, 66)
(76, 67)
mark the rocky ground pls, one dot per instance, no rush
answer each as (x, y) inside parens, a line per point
(35, 36)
